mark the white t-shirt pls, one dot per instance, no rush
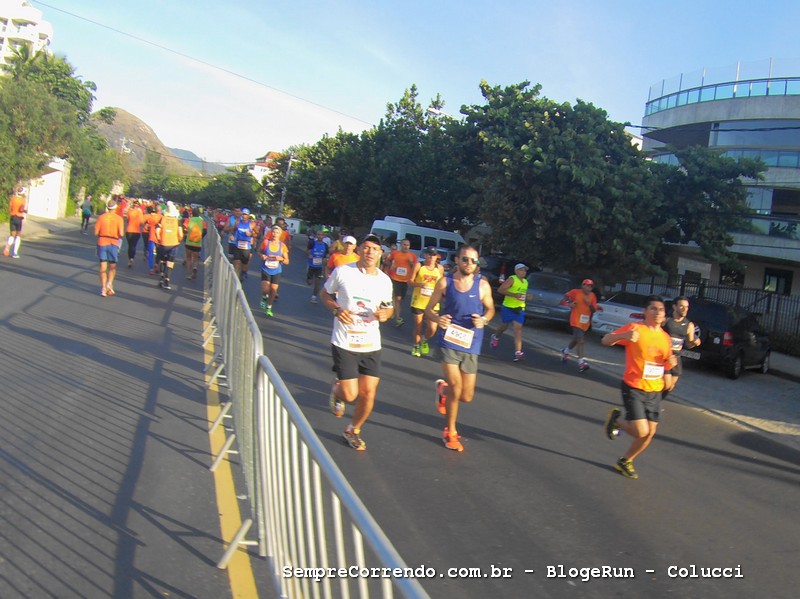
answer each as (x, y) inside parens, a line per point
(361, 294)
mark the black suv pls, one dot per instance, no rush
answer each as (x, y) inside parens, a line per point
(731, 337)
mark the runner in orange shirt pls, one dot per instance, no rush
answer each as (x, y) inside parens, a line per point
(648, 354)
(168, 238)
(584, 304)
(16, 214)
(400, 264)
(133, 230)
(109, 229)
(346, 256)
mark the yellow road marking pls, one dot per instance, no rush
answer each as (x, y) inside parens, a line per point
(240, 569)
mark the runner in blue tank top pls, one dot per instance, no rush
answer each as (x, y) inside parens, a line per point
(466, 308)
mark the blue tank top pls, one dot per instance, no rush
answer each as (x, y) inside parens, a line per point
(461, 306)
(272, 266)
(242, 239)
(318, 251)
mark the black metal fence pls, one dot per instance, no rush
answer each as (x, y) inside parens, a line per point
(779, 314)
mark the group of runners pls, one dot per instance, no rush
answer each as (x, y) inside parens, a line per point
(457, 307)
(363, 290)
(163, 227)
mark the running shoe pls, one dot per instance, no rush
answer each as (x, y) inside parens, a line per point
(5, 251)
(167, 286)
(494, 341)
(611, 428)
(102, 293)
(15, 255)
(440, 397)
(336, 405)
(110, 290)
(416, 351)
(583, 366)
(313, 299)
(625, 468)
(353, 438)
(451, 442)
(130, 263)
(519, 356)
(564, 355)
(424, 348)
(262, 304)
(268, 312)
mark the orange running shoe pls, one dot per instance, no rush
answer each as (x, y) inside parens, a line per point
(446, 433)
(440, 397)
(451, 442)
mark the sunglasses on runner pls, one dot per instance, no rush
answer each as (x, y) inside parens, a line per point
(467, 260)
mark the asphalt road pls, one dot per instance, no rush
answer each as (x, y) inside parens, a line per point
(535, 491)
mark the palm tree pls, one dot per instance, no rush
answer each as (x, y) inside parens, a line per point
(22, 61)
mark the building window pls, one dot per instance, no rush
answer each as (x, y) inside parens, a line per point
(778, 280)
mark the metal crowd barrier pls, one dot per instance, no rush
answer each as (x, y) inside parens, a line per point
(318, 538)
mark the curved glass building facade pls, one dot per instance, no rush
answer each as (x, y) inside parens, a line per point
(745, 110)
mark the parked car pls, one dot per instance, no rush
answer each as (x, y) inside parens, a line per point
(546, 296)
(618, 309)
(731, 337)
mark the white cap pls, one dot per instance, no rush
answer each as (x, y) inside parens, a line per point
(350, 239)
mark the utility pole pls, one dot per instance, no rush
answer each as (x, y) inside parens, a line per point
(285, 181)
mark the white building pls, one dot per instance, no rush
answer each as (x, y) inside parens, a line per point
(22, 24)
(749, 110)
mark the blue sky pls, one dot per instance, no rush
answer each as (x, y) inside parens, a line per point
(307, 68)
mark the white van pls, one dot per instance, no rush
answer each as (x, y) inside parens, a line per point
(393, 229)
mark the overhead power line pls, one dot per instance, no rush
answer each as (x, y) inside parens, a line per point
(203, 62)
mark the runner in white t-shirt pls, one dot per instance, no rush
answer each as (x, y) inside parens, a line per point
(360, 297)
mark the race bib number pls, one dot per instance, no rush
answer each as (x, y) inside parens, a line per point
(357, 339)
(652, 371)
(677, 344)
(243, 245)
(272, 263)
(583, 319)
(401, 271)
(459, 336)
(425, 291)
(316, 261)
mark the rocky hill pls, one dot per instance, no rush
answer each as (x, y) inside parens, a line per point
(132, 137)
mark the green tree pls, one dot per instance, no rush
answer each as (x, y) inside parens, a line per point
(34, 127)
(563, 187)
(95, 166)
(410, 164)
(153, 181)
(708, 199)
(185, 189)
(230, 190)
